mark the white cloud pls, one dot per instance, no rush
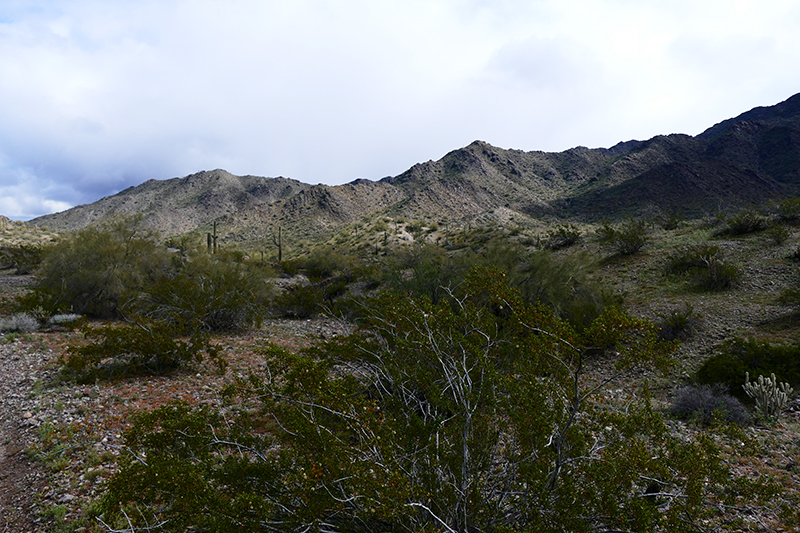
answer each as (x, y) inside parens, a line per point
(96, 96)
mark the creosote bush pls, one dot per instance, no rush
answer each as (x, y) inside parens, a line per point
(143, 347)
(94, 270)
(704, 266)
(744, 222)
(626, 239)
(493, 427)
(564, 236)
(216, 292)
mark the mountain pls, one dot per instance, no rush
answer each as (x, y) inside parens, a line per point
(741, 161)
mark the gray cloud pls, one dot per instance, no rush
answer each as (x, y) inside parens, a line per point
(96, 96)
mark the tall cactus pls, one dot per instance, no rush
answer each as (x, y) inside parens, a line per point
(770, 396)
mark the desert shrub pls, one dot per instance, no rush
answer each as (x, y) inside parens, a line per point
(789, 210)
(704, 404)
(778, 234)
(299, 301)
(605, 233)
(670, 220)
(94, 270)
(564, 236)
(704, 266)
(738, 357)
(427, 270)
(628, 238)
(19, 323)
(23, 258)
(563, 284)
(143, 347)
(744, 222)
(215, 292)
(678, 324)
(491, 429)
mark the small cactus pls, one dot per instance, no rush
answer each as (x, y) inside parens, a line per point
(770, 396)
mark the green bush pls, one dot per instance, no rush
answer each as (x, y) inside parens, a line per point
(731, 364)
(678, 324)
(789, 210)
(216, 292)
(704, 266)
(565, 285)
(744, 222)
(564, 236)
(778, 234)
(628, 239)
(492, 428)
(143, 347)
(95, 270)
(670, 220)
(23, 258)
(299, 301)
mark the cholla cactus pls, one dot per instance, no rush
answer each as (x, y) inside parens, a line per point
(770, 396)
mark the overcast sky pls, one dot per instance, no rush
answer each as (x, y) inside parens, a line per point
(98, 95)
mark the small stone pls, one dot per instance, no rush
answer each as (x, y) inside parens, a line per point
(65, 498)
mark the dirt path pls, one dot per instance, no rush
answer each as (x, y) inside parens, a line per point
(21, 479)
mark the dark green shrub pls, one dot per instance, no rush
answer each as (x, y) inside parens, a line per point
(778, 234)
(299, 301)
(565, 285)
(143, 347)
(214, 291)
(704, 404)
(670, 220)
(678, 324)
(23, 258)
(744, 222)
(606, 232)
(738, 356)
(95, 270)
(328, 262)
(789, 210)
(704, 266)
(630, 237)
(474, 417)
(564, 236)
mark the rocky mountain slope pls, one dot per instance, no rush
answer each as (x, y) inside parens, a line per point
(745, 160)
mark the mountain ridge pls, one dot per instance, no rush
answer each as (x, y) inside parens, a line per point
(740, 161)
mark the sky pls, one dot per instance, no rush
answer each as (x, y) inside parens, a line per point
(99, 95)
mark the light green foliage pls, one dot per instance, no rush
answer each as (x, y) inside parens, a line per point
(93, 271)
(770, 396)
(473, 414)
